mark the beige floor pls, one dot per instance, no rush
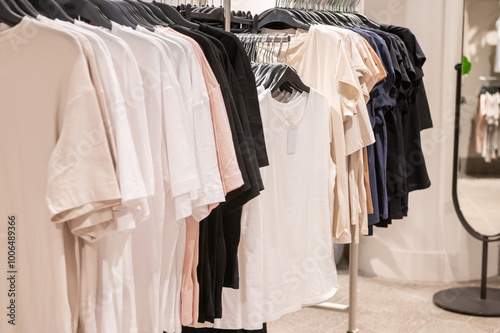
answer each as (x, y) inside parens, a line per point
(387, 306)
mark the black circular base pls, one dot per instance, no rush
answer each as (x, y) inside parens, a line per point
(468, 301)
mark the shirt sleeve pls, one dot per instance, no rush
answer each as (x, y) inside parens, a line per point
(81, 175)
(347, 83)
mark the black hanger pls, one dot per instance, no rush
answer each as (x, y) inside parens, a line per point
(273, 74)
(174, 15)
(85, 9)
(332, 18)
(302, 16)
(7, 15)
(16, 9)
(325, 19)
(27, 8)
(290, 76)
(51, 9)
(266, 12)
(133, 14)
(113, 12)
(279, 18)
(261, 74)
(158, 13)
(216, 14)
(145, 13)
(369, 23)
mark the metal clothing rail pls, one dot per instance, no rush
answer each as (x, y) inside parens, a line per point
(227, 15)
(351, 308)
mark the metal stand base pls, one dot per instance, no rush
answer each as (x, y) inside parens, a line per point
(468, 301)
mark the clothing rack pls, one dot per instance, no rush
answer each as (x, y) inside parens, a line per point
(351, 307)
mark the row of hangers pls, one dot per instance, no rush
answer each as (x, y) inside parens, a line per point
(329, 5)
(261, 47)
(129, 13)
(301, 14)
(268, 71)
(207, 13)
(298, 14)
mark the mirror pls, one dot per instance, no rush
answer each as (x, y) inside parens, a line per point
(478, 176)
(476, 155)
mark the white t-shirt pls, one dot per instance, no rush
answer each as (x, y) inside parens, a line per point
(190, 76)
(147, 239)
(116, 295)
(116, 311)
(335, 79)
(286, 252)
(189, 71)
(69, 173)
(175, 75)
(130, 81)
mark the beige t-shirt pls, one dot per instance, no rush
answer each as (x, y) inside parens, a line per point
(320, 58)
(358, 129)
(59, 166)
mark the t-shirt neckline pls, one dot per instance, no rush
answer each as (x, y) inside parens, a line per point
(303, 98)
(11, 32)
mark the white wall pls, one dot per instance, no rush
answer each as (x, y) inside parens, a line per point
(429, 245)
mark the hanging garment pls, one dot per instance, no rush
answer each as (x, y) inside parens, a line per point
(60, 168)
(286, 261)
(342, 88)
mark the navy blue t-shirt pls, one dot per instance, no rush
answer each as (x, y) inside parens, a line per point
(382, 96)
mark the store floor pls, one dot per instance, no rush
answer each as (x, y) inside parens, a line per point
(387, 306)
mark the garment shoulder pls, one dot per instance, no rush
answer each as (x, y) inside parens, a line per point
(60, 41)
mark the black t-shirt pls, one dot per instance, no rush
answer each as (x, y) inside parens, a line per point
(246, 79)
(220, 231)
(419, 59)
(417, 116)
(409, 101)
(420, 117)
(395, 170)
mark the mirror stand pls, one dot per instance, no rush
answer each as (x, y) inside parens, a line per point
(473, 301)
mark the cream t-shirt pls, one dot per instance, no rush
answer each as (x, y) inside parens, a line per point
(321, 60)
(147, 239)
(70, 173)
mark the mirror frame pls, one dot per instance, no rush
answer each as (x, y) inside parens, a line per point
(456, 203)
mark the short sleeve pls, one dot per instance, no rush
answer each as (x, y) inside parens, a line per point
(347, 84)
(81, 175)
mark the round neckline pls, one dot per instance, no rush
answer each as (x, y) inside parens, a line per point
(11, 32)
(304, 97)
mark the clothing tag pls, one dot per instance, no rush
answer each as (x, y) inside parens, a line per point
(292, 139)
